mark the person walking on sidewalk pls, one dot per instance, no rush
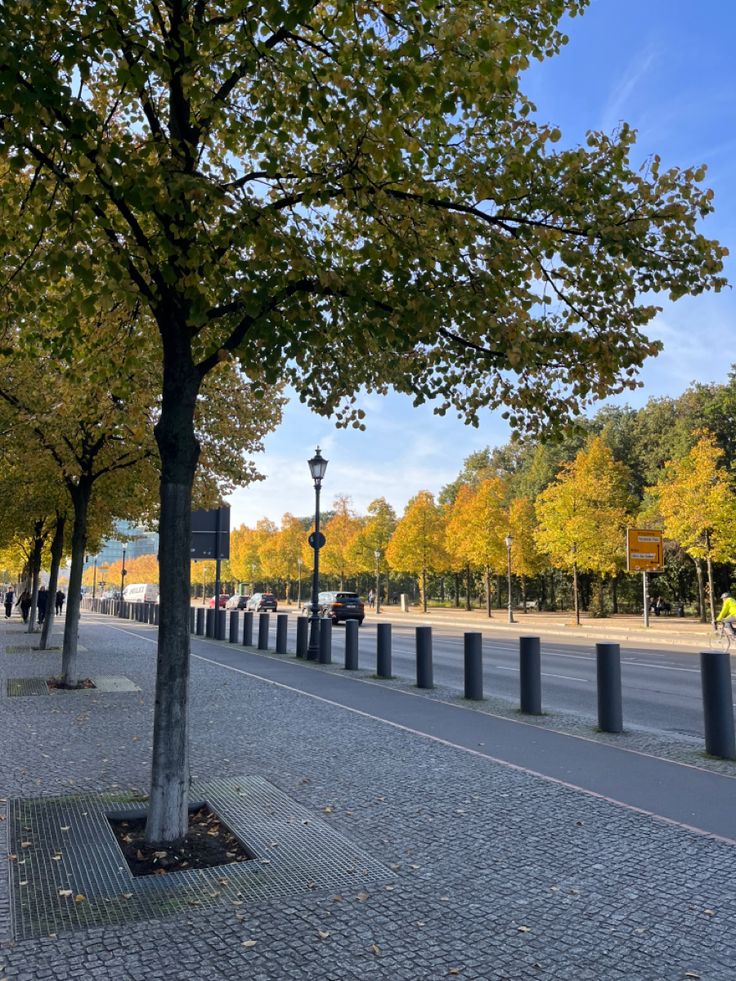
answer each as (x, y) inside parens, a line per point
(24, 602)
(42, 603)
(9, 599)
(60, 597)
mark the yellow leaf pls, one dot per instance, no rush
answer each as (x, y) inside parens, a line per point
(79, 898)
(249, 943)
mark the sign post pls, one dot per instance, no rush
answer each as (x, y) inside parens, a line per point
(211, 540)
(644, 553)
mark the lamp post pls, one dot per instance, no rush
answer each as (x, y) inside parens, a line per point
(94, 580)
(509, 543)
(377, 554)
(317, 468)
(122, 580)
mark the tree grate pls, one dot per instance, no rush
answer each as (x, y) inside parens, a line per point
(38, 686)
(68, 872)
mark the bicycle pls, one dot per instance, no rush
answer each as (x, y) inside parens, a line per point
(725, 635)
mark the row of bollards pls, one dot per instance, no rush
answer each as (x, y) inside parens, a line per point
(715, 669)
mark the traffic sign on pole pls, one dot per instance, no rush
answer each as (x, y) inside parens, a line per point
(644, 550)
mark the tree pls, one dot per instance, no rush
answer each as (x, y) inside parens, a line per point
(458, 517)
(417, 545)
(696, 498)
(582, 516)
(286, 180)
(340, 532)
(525, 558)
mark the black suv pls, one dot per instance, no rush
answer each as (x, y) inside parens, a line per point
(262, 601)
(341, 605)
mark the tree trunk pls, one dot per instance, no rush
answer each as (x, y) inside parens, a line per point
(424, 590)
(80, 494)
(576, 598)
(57, 550)
(701, 590)
(523, 594)
(179, 450)
(488, 592)
(468, 602)
(614, 594)
(457, 590)
(711, 597)
(34, 568)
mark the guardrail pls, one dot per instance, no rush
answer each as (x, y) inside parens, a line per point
(715, 666)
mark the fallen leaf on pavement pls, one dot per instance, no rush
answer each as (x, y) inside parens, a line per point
(324, 934)
(249, 943)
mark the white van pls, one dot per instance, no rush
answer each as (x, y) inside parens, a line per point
(141, 592)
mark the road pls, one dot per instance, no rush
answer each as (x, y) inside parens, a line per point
(661, 688)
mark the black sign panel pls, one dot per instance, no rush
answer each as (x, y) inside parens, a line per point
(316, 540)
(211, 534)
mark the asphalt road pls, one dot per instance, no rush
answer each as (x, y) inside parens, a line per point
(661, 688)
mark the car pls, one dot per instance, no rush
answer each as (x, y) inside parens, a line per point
(237, 602)
(260, 602)
(341, 605)
(224, 597)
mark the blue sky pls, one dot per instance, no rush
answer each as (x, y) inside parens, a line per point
(667, 67)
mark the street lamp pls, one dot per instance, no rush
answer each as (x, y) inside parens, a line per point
(317, 468)
(509, 543)
(122, 580)
(377, 554)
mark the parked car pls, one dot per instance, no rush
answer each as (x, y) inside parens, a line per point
(339, 606)
(260, 602)
(224, 597)
(237, 602)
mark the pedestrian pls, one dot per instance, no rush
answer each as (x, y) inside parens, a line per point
(9, 599)
(24, 602)
(42, 603)
(60, 597)
(371, 598)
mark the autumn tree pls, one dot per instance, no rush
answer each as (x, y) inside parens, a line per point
(417, 545)
(525, 558)
(290, 181)
(582, 516)
(340, 531)
(696, 497)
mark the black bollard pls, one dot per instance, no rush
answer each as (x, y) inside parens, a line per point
(424, 658)
(220, 624)
(383, 650)
(248, 628)
(351, 645)
(192, 620)
(715, 675)
(608, 673)
(157, 614)
(263, 622)
(209, 623)
(282, 625)
(474, 666)
(530, 675)
(233, 626)
(200, 621)
(302, 636)
(325, 641)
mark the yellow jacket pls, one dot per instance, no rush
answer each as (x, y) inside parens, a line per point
(728, 609)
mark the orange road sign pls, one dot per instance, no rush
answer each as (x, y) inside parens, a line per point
(644, 550)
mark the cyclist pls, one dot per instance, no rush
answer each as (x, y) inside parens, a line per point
(728, 612)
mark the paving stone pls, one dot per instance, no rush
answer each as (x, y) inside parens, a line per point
(617, 898)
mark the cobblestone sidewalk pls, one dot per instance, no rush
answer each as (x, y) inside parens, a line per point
(499, 875)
